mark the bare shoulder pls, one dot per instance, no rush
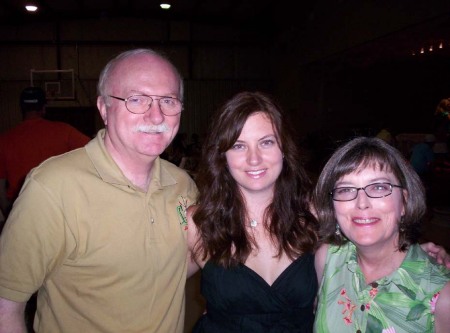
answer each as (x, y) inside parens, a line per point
(320, 259)
(189, 214)
(442, 319)
(191, 210)
(193, 240)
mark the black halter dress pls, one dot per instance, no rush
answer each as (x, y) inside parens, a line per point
(239, 300)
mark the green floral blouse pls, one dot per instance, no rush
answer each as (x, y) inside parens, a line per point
(401, 302)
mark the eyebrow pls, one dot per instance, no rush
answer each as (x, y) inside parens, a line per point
(139, 92)
(267, 136)
(263, 138)
(372, 181)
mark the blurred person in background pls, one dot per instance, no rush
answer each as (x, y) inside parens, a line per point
(31, 142)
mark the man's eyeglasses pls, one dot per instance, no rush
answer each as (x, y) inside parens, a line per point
(376, 190)
(139, 104)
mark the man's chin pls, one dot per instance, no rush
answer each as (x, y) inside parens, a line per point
(151, 150)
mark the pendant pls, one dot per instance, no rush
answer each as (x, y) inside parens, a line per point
(253, 223)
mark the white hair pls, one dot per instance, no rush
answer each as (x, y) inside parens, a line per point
(112, 64)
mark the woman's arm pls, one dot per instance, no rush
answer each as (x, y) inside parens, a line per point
(442, 312)
(437, 252)
(192, 239)
(12, 316)
(320, 259)
(193, 267)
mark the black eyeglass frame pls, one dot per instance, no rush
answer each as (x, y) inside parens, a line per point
(150, 105)
(364, 189)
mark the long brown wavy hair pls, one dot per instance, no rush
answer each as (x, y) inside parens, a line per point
(221, 213)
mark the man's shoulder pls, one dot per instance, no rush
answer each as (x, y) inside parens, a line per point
(62, 163)
(172, 175)
(63, 173)
(174, 170)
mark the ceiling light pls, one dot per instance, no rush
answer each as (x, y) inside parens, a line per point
(31, 8)
(165, 5)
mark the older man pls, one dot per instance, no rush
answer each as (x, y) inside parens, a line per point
(100, 232)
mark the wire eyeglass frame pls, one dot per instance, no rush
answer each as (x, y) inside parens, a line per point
(178, 107)
(355, 190)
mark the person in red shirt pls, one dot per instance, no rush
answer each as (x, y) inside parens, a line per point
(31, 142)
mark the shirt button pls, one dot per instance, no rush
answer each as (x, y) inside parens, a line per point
(363, 307)
(358, 331)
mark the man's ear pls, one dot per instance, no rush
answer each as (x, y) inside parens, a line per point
(101, 105)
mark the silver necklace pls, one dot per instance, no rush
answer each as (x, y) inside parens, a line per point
(253, 223)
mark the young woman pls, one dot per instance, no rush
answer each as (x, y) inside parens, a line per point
(252, 232)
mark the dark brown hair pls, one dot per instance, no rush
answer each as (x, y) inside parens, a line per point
(221, 213)
(361, 153)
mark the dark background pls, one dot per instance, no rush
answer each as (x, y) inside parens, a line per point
(340, 68)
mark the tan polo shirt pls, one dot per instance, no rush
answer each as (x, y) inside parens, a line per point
(105, 256)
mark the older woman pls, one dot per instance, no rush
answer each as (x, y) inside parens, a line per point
(376, 278)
